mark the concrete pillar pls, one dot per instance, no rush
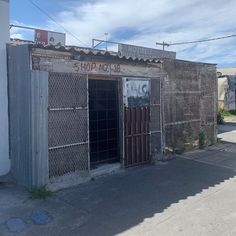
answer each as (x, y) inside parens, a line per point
(4, 129)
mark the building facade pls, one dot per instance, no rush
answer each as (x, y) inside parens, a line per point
(73, 110)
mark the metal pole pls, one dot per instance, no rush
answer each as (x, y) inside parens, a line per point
(92, 43)
(163, 44)
(106, 40)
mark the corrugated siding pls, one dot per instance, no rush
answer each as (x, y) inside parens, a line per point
(27, 106)
(19, 113)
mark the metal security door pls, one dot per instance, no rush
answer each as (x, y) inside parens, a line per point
(136, 121)
(67, 123)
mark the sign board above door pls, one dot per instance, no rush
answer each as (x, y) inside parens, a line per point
(143, 52)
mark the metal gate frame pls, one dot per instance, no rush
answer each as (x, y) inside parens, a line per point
(156, 139)
(136, 137)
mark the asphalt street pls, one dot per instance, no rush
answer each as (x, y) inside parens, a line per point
(193, 194)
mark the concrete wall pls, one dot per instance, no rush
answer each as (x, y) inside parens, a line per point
(190, 103)
(4, 137)
(209, 97)
(156, 118)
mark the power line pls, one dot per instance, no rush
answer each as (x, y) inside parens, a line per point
(51, 18)
(203, 40)
(164, 44)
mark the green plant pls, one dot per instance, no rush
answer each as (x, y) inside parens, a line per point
(228, 113)
(202, 139)
(223, 113)
(41, 192)
(220, 117)
(178, 147)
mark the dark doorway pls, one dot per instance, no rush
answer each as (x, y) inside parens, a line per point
(103, 121)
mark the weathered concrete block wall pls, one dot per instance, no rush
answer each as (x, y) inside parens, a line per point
(208, 82)
(155, 118)
(189, 103)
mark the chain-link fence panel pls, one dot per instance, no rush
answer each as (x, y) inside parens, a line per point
(67, 123)
(68, 159)
(67, 90)
(67, 127)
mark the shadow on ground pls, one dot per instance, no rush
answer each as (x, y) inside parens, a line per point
(116, 203)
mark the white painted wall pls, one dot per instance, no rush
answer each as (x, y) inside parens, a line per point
(4, 135)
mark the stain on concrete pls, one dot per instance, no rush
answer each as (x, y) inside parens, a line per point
(16, 225)
(41, 217)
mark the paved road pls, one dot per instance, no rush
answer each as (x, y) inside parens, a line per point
(227, 132)
(193, 194)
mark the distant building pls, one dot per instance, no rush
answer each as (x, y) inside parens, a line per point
(226, 88)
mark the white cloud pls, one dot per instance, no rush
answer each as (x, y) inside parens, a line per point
(20, 33)
(151, 21)
(17, 36)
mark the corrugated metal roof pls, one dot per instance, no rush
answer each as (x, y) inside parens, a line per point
(93, 52)
(84, 51)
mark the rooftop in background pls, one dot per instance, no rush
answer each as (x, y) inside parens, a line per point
(144, 52)
(227, 71)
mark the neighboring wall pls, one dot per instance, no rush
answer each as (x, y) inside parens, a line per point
(190, 103)
(222, 91)
(227, 92)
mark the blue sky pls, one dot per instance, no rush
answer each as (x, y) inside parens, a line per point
(139, 22)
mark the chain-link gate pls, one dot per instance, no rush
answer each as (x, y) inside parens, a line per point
(67, 123)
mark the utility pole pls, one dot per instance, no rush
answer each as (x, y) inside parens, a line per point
(106, 39)
(4, 137)
(164, 44)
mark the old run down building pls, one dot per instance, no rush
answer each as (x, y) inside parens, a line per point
(74, 111)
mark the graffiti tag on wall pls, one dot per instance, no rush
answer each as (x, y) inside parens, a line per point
(93, 66)
(137, 92)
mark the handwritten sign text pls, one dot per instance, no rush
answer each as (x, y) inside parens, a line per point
(94, 66)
